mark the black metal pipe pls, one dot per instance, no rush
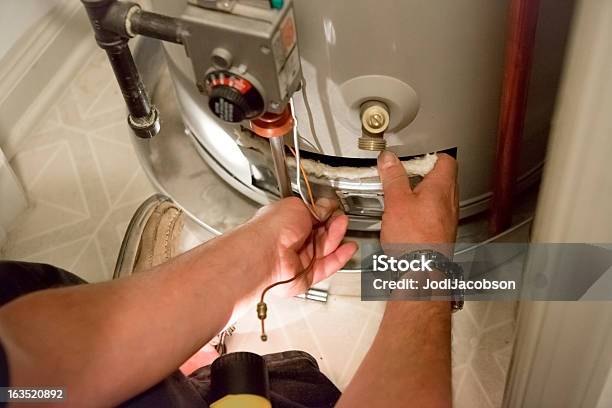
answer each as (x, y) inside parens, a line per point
(108, 18)
(97, 11)
(132, 88)
(157, 26)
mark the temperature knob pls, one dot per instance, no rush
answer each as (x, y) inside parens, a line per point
(233, 98)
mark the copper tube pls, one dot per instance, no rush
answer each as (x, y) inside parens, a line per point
(275, 126)
(522, 23)
(277, 147)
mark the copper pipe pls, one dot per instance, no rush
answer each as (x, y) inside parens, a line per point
(522, 23)
(274, 127)
(277, 147)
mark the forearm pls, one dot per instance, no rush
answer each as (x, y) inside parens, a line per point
(138, 329)
(409, 361)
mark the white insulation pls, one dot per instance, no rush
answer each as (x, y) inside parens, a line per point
(419, 166)
(415, 167)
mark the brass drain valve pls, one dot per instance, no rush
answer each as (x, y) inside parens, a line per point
(374, 122)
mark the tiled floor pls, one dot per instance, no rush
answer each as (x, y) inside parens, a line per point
(482, 346)
(84, 183)
(82, 179)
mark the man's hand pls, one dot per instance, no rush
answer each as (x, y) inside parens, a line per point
(289, 225)
(183, 303)
(409, 363)
(426, 215)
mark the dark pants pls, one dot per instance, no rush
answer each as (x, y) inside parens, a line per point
(295, 379)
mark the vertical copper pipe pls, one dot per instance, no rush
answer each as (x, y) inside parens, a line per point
(274, 127)
(277, 146)
(522, 23)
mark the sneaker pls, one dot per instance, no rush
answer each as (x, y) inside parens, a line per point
(152, 237)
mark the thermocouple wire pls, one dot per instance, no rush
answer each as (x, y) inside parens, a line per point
(299, 168)
(262, 308)
(308, 188)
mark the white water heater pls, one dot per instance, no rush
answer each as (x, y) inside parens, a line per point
(436, 65)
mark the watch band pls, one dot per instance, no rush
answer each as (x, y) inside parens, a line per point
(451, 270)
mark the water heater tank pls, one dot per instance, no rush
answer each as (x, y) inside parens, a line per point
(438, 67)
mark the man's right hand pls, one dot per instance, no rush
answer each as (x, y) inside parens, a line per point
(409, 363)
(426, 215)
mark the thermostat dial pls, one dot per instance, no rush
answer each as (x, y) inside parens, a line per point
(233, 98)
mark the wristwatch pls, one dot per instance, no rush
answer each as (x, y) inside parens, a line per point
(451, 270)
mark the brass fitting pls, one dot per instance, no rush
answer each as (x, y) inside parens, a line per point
(374, 122)
(262, 313)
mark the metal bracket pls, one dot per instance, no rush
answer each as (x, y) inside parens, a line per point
(362, 203)
(318, 295)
